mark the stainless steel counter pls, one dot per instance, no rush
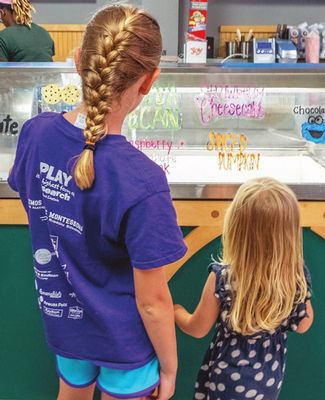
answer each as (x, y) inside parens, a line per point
(315, 192)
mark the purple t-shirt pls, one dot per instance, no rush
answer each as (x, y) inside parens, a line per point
(86, 243)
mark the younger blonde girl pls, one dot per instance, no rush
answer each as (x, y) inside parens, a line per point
(259, 292)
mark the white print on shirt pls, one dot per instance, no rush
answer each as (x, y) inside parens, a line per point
(55, 183)
(55, 243)
(52, 312)
(74, 296)
(59, 176)
(44, 275)
(36, 204)
(53, 295)
(76, 312)
(43, 256)
(48, 304)
(64, 267)
(44, 217)
(65, 222)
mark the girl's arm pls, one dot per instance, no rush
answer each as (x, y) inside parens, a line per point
(306, 323)
(155, 306)
(205, 315)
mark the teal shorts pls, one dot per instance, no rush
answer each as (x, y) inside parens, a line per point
(122, 384)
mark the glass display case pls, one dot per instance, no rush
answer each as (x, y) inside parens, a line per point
(209, 128)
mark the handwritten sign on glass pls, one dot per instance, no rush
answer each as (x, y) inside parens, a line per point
(160, 110)
(216, 102)
(231, 151)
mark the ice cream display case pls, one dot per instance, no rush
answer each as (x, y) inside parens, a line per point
(210, 129)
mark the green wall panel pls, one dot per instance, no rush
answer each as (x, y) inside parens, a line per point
(27, 368)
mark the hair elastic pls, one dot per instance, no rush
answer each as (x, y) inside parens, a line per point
(90, 145)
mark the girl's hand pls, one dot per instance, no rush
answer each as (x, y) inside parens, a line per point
(167, 386)
(203, 318)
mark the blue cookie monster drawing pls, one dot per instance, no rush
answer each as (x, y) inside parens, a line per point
(314, 129)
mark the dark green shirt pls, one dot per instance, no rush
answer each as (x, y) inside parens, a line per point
(21, 43)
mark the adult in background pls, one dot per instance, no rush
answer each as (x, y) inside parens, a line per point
(22, 40)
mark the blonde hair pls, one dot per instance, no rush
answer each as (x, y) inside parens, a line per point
(262, 246)
(22, 12)
(121, 43)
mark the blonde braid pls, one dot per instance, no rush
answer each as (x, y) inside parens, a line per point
(111, 61)
(22, 11)
(97, 92)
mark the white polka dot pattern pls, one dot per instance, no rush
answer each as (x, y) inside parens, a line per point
(259, 376)
(235, 353)
(270, 382)
(239, 368)
(251, 393)
(275, 365)
(224, 315)
(222, 365)
(240, 389)
(221, 387)
(243, 363)
(235, 376)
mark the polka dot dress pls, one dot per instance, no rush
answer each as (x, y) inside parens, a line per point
(237, 367)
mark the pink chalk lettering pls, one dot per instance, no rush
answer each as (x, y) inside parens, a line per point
(230, 102)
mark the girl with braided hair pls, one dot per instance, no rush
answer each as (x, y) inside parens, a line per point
(22, 40)
(104, 225)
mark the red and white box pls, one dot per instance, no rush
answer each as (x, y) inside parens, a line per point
(197, 22)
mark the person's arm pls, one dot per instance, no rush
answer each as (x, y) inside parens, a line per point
(155, 306)
(154, 240)
(205, 315)
(306, 323)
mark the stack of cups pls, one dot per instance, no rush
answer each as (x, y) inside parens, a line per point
(312, 46)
